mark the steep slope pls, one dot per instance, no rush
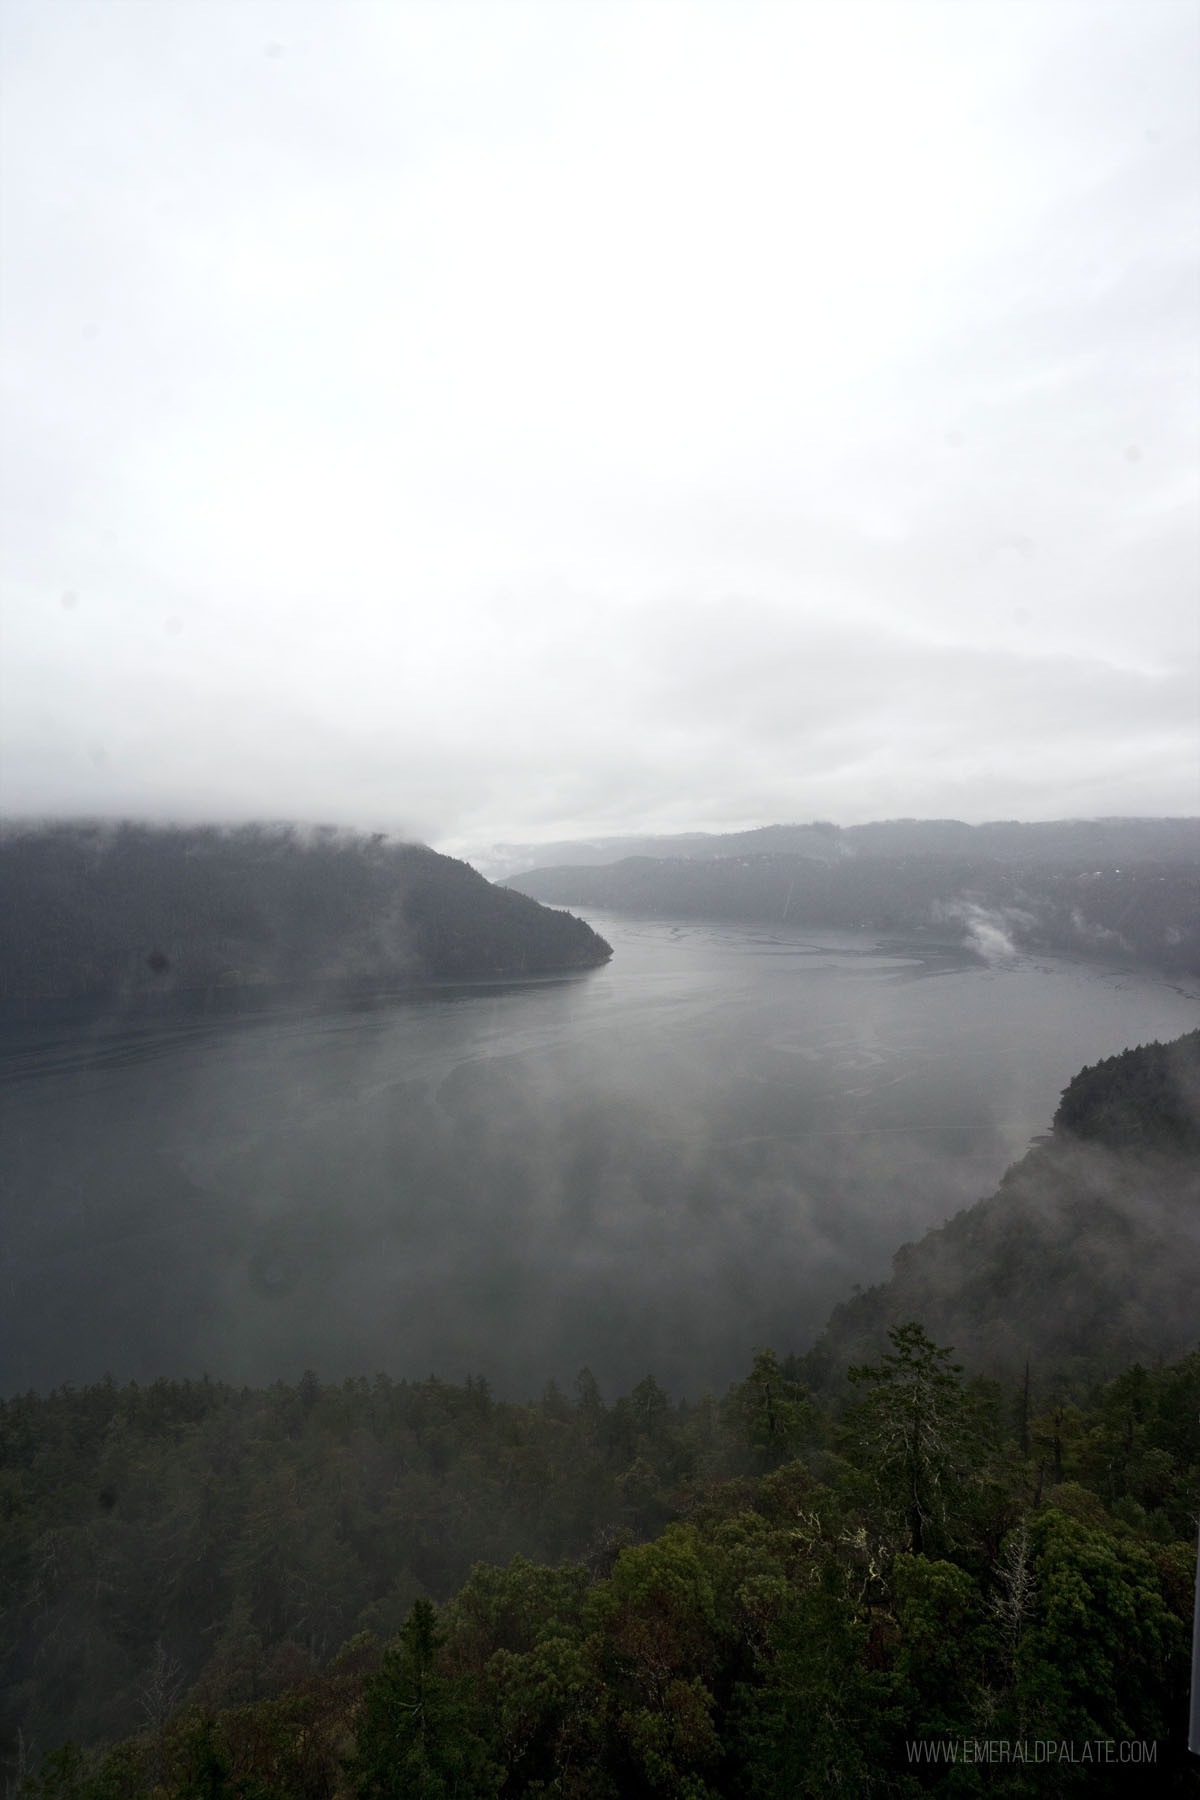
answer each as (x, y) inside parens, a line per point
(132, 911)
(1088, 1256)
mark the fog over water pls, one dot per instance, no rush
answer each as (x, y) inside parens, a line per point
(650, 1167)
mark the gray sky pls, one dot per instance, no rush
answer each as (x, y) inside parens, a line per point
(520, 421)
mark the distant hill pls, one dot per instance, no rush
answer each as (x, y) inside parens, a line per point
(504, 860)
(1137, 910)
(129, 912)
(1098, 842)
(1088, 1256)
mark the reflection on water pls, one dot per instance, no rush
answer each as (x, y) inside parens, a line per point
(655, 1165)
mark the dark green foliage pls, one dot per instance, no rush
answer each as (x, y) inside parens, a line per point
(779, 1640)
(208, 1777)
(1102, 1651)
(790, 1633)
(188, 1538)
(817, 1722)
(1143, 1099)
(772, 1414)
(415, 1734)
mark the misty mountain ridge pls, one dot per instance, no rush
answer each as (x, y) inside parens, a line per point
(131, 913)
(1086, 1259)
(1058, 841)
(1045, 896)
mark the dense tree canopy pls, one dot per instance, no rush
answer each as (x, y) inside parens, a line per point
(681, 1613)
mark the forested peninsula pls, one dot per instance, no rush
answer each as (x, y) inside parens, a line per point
(1120, 889)
(136, 915)
(842, 1576)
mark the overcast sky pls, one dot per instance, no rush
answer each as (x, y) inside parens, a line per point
(515, 421)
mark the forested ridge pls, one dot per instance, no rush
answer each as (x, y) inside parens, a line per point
(1087, 1257)
(388, 1587)
(1145, 912)
(140, 915)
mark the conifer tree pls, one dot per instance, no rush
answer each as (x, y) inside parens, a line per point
(911, 1430)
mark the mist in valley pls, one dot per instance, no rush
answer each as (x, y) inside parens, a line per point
(649, 1167)
(523, 426)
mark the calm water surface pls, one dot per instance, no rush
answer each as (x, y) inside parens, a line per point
(653, 1166)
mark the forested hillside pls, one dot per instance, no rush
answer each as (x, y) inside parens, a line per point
(132, 913)
(271, 1596)
(379, 1588)
(1147, 911)
(1086, 1258)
